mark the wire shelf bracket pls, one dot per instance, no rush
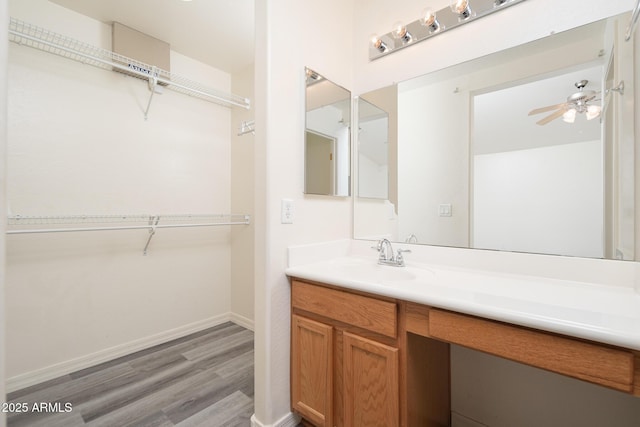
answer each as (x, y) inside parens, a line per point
(26, 34)
(18, 224)
(247, 126)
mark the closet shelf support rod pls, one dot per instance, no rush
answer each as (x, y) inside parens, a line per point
(153, 83)
(153, 222)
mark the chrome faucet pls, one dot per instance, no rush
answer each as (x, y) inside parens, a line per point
(387, 257)
(412, 238)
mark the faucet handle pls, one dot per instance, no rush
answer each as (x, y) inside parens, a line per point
(400, 258)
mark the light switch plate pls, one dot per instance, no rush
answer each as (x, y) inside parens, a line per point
(286, 211)
(445, 210)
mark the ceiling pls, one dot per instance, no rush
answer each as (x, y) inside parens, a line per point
(502, 122)
(219, 33)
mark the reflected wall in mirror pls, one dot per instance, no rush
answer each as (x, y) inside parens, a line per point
(327, 137)
(373, 151)
(528, 150)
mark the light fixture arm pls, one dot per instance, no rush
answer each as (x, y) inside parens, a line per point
(633, 21)
(619, 89)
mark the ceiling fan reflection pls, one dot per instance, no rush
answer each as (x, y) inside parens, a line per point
(581, 102)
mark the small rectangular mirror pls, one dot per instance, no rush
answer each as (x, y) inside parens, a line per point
(327, 137)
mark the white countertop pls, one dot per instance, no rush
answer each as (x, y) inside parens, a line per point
(601, 313)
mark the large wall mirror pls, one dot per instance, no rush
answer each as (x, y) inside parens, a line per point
(527, 150)
(327, 137)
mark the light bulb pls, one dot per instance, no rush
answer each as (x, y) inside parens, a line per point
(378, 43)
(430, 21)
(569, 116)
(312, 76)
(593, 111)
(458, 6)
(461, 8)
(400, 32)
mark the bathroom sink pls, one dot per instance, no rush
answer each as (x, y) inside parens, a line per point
(370, 271)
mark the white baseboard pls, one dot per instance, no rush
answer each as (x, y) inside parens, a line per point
(242, 321)
(53, 371)
(289, 420)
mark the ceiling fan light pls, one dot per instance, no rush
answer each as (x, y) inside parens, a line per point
(569, 116)
(593, 111)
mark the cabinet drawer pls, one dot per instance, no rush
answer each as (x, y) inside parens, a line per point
(356, 310)
(590, 362)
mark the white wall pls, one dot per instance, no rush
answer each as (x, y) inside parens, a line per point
(433, 163)
(79, 144)
(4, 19)
(290, 34)
(551, 198)
(377, 178)
(369, 224)
(480, 388)
(242, 196)
(636, 101)
(502, 393)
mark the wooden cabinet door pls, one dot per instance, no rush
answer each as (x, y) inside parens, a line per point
(370, 383)
(312, 370)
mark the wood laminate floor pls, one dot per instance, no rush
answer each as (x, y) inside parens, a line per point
(203, 380)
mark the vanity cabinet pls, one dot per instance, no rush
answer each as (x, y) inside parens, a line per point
(344, 358)
(312, 370)
(370, 382)
(359, 359)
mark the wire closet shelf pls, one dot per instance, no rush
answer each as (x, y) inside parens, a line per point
(26, 34)
(19, 224)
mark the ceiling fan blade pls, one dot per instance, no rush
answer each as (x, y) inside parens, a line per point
(545, 109)
(552, 117)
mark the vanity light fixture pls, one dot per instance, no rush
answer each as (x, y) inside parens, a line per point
(312, 77)
(430, 20)
(378, 44)
(432, 23)
(461, 7)
(400, 32)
